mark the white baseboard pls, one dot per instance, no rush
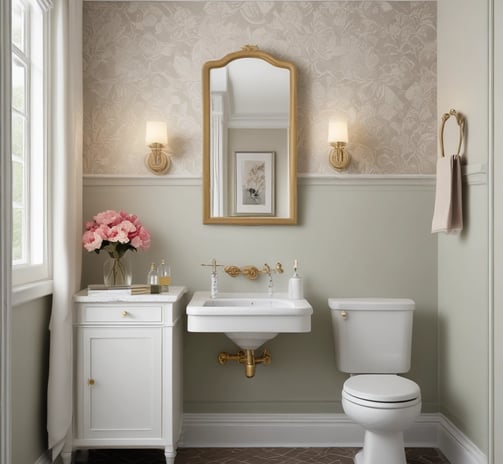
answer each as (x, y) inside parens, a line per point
(319, 430)
(456, 446)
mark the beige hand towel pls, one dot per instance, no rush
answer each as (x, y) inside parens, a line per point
(448, 212)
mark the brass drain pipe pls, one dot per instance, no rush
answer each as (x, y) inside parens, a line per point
(246, 357)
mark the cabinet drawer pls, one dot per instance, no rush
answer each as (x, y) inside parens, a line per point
(124, 313)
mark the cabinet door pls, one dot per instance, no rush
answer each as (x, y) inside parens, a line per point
(119, 374)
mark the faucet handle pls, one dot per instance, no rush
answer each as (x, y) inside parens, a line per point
(213, 264)
(279, 268)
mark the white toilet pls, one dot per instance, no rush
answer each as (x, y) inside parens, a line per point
(373, 343)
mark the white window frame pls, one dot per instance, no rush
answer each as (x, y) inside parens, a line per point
(36, 264)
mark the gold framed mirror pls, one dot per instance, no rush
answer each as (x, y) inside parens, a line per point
(249, 139)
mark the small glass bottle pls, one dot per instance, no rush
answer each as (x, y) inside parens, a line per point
(164, 273)
(153, 276)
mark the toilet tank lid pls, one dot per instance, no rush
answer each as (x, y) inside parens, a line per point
(369, 304)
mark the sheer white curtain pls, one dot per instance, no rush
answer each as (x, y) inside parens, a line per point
(66, 83)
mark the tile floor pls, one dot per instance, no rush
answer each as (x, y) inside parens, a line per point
(247, 456)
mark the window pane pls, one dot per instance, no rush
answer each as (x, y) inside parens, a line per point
(18, 183)
(17, 235)
(18, 135)
(29, 40)
(18, 86)
(18, 22)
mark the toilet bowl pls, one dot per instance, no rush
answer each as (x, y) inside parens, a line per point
(373, 343)
(384, 405)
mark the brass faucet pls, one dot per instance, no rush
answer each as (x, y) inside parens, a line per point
(252, 272)
(267, 270)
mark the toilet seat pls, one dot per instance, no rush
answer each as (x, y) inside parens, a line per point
(388, 390)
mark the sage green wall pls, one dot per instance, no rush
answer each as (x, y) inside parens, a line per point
(30, 354)
(366, 240)
(463, 306)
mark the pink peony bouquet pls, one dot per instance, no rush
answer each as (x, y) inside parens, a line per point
(116, 233)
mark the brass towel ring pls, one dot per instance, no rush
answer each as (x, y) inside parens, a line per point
(460, 119)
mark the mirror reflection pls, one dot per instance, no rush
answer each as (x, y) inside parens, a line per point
(249, 139)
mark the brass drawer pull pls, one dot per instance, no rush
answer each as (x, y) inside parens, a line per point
(124, 314)
(344, 314)
(90, 382)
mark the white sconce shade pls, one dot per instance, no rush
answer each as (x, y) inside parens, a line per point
(337, 131)
(338, 157)
(156, 132)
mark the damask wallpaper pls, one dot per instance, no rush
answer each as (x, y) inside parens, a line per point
(371, 62)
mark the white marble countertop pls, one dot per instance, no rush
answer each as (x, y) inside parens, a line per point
(174, 294)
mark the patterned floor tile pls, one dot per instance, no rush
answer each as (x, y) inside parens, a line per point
(246, 456)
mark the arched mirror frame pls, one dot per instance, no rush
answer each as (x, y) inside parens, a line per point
(250, 51)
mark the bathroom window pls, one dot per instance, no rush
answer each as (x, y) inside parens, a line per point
(29, 141)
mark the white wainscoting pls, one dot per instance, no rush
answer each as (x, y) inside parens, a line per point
(319, 430)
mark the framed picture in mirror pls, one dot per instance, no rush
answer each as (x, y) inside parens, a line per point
(254, 183)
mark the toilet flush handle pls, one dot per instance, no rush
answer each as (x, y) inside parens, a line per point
(344, 314)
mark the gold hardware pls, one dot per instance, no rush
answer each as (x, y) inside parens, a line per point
(252, 272)
(249, 48)
(223, 357)
(124, 313)
(338, 157)
(158, 160)
(90, 381)
(460, 119)
(248, 358)
(248, 271)
(344, 314)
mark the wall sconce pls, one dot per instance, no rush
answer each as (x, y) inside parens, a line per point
(338, 138)
(158, 160)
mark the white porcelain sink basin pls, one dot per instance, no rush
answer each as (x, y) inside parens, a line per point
(248, 319)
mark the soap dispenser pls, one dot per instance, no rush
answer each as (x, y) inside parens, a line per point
(295, 291)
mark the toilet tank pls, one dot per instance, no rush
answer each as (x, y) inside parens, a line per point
(372, 335)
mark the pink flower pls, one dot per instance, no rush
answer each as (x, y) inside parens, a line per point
(142, 239)
(115, 232)
(91, 240)
(109, 218)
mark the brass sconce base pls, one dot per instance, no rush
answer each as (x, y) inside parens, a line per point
(158, 161)
(338, 157)
(246, 357)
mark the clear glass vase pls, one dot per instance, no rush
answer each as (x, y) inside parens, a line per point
(117, 270)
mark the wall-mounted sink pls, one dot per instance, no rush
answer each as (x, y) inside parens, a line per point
(248, 319)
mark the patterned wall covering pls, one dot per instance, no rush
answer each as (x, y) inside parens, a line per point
(373, 63)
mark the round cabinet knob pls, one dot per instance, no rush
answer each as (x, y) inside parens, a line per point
(90, 382)
(344, 314)
(124, 314)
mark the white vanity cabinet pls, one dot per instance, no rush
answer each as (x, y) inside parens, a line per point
(128, 371)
